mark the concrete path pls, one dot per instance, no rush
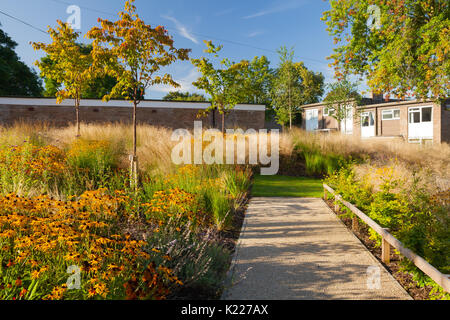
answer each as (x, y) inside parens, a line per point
(296, 248)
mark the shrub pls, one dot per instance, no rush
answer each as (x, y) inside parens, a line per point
(416, 218)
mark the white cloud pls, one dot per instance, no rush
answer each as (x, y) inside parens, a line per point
(254, 34)
(284, 6)
(182, 30)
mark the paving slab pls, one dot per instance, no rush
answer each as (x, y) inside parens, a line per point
(298, 249)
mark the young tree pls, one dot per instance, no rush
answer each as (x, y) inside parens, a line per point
(293, 86)
(16, 78)
(224, 85)
(133, 53)
(69, 66)
(401, 46)
(340, 99)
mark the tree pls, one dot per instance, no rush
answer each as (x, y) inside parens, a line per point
(133, 52)
(339, 98)
(16, 78)
(257, 80)
(95, 88)
(223, 84)
(183, 96)
(67, 64)
(401, 46)
(293, 86)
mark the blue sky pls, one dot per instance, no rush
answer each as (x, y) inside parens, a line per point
(245, 28)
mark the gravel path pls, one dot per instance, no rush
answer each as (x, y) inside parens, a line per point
(296, 248)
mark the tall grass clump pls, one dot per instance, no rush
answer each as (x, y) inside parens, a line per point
(30, 170)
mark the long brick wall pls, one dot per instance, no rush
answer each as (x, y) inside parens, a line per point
(170, 114)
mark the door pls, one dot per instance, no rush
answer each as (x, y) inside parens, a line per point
(312, 119)
(368, 124)
(420, 122)
(347, 123)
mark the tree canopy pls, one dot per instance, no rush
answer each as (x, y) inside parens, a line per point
(257, 81)
(184, 96)
(401, 46)
(16, 78)
(95, 88)
(133, 53)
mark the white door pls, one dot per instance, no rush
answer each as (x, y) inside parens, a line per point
(367, 124)
(312, 119)
(347, 123)
(420, 122)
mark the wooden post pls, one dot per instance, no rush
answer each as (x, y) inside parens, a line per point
(355, 223)
(336, 203)
(325, 194)
(385, 250)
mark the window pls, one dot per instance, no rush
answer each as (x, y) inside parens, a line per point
(426, 114)
(367, 119)
(328, 111)
(414, 115)
(420, 114)
(392, 114)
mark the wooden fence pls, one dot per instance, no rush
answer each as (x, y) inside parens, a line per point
(389, 240)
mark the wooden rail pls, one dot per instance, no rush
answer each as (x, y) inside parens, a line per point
(389, 240)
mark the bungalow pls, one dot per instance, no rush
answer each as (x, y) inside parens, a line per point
(413, 121)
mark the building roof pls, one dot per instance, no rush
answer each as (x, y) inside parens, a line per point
(369, 102)
(123, 103)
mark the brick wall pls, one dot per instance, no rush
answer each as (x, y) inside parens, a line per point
(445, 121)
(389, 128)
(437, 124)
(165, 114)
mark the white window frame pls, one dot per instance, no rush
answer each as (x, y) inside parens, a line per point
(326, 111)
(367, 114)
(392, 112)
(419, 110)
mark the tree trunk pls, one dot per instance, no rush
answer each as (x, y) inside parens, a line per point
(134, 128)
(133, 157)
(290, 120)
(223, 122)
(77, 111)
(289, 96)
